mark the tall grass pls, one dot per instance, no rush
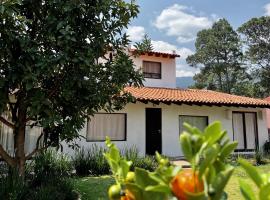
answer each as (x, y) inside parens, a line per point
(92, 161)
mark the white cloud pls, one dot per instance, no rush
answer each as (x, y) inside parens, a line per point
(267, 9)
(184, 73)
(168, 48)
(182, 68)
(135, 33)
(180, 21)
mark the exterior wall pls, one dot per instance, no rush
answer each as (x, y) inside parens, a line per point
(168, 71)
(268, 117)
(170, 125)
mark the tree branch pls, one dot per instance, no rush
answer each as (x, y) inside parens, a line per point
(30, 155)
(6, 157)
(6, 122)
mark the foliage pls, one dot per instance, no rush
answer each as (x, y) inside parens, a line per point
(266, 147)
(49, 164)
(206, 151)
(259, 157)
(48, 58)
(256, 37)
(145, 45)
(56, 189)
(48, 180)
(261, 180)
(147, 162)
(219, 57)
(91, 161)
(12, 187)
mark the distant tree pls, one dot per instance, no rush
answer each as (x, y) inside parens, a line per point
(145, 45)
(49, 70)
(219, 57)
(256, 34)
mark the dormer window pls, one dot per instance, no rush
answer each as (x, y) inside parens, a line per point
(152, 69)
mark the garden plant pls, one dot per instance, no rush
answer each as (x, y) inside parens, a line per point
(207, 151)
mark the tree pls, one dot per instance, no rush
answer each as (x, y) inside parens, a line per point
(219, 56)
(50, 74)
(256, 34)
(145, 45)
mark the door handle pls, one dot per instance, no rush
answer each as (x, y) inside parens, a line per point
(159, 131)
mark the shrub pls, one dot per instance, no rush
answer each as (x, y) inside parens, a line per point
(56, 189)
(91, 161)
(148, 163)
(266, 147)
(12, 187)
(259, 157)
(49, 164)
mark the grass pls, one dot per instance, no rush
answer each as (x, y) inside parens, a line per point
(95, 188)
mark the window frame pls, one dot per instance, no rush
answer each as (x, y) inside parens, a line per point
(125, 131)
(245, 134)
(160, 63)
(207, 120)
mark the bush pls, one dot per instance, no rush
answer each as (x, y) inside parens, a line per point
(266, 147)
(259, 157)
(50, 164)
(91, 162)
(56, 189)
(13, 187)
(147, 162)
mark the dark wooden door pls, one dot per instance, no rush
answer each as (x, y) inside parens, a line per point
(153, 130)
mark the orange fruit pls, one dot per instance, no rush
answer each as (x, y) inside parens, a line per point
(186, 181)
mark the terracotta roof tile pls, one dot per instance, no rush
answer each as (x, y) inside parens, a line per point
(157, 53)
(193, 96)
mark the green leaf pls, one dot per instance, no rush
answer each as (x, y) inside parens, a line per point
(252, 172)
(213, 132)
(265, 192)
(210, 156)
(159, 188)
(228, 149)
(246, 191)
(135, 190)
(186, 146)
(143, 179)
(220, 182)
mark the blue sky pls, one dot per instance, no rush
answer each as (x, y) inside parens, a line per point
(173, 24)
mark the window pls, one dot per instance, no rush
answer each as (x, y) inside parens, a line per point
(245, 130)
(152, 69)
(103, 124)
(199, 121)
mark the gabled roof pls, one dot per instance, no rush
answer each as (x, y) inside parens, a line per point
(193, 96)
(157, 54)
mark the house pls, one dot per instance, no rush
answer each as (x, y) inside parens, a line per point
(267, 110)
(154, 121)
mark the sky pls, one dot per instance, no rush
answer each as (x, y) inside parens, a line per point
(173, 24)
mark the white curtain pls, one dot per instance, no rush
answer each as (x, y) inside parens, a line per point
(250, 130)
(238, 130)
(151, 67)
(102, 125)
(198, 121)
(7, 138)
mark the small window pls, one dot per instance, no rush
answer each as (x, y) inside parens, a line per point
(101, 125)
(152, 69)
(198, 121)
(245, 130)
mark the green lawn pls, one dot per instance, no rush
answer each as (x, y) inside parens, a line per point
(95, 188)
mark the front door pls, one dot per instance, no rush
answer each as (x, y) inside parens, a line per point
(153, 130)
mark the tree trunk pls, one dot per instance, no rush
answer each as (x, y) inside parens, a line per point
(19, 139)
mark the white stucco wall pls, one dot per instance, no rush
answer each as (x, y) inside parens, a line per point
(170, 125)
(168, 71)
